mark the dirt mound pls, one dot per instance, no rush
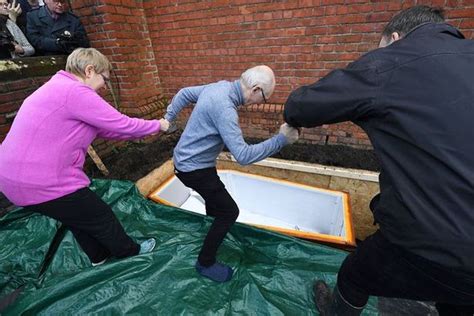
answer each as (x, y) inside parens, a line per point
(137, 159)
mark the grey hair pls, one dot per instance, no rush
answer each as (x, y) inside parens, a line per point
(261, 76)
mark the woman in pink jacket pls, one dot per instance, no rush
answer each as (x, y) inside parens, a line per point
(42, 156)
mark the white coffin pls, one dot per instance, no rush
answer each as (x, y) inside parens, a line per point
(287, 207)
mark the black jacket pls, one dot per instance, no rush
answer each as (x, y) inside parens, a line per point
(21, 19)
(415, 100)
(42, 31)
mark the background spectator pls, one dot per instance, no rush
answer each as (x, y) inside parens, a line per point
(13, 42)
(53, 30)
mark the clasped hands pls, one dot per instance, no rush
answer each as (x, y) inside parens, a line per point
(291, 133)
(164, 125)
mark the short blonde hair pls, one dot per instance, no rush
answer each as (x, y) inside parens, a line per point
(80, 58)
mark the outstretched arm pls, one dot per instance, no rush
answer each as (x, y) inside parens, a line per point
(343, 95)
(184, 97)
(86, 105)
(227, 123)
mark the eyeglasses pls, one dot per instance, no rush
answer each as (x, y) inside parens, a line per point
(106, 80)
(263, 95)
(59, 2)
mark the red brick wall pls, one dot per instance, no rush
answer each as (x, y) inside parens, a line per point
(198, 42)
(118, 28)
(158, 47)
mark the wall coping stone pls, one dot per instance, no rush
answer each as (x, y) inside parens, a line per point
(30, 67)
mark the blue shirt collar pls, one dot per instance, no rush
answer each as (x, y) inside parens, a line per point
(238, 96)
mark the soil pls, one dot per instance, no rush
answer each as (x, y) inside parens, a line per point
(137, 159)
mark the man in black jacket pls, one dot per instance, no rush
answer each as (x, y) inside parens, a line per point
(52, 30)
(414, 97)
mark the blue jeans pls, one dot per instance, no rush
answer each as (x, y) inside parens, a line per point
(380, 268)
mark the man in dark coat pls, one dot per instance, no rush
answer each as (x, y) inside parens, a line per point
(414, 98)
(52, 30)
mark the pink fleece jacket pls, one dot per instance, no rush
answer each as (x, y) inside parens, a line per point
(43, 154)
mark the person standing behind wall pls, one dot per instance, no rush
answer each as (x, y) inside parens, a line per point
(53, 30)
(42, 156)
(414, 98)
(213, 123)
(13, 43)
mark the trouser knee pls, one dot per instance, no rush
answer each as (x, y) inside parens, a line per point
(231, 214)
(226, 211)
(234, 213)
(228, 217)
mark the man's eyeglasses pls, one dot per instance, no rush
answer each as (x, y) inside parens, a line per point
(63, 2)
(263, 95)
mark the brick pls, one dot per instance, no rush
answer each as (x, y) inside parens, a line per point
(105, 9)
(13, 96)
(19, 84)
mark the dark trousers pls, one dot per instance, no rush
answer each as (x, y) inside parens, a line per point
(92, 222)
(380, 268)
(219, 204)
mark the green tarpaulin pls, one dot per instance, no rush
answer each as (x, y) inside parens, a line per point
(273, 273)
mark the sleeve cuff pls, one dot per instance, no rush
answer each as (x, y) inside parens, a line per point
(159, 126)
(281, 139)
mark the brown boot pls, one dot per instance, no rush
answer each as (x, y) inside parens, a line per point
(323, 298)
(332, 304)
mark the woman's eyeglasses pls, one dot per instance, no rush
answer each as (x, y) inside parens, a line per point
(106, 80)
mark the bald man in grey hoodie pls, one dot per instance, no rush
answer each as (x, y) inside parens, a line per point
(214, 123)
